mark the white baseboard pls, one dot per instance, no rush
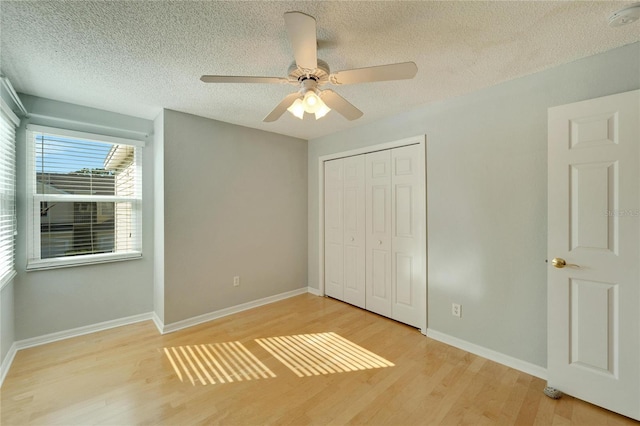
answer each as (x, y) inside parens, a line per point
(162, 328)
(157, 321)
(6, 363)
(81, 331)
(66, 334)
(314, 291)
(189, 322)
(518, 364)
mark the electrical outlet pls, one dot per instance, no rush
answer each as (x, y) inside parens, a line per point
(456, 310)
(236, 281)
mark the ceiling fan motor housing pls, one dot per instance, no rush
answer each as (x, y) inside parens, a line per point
(320, 74)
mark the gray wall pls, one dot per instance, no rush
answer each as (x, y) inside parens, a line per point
(235, 203)
(7, 336)
(60, 299)
(487, 197)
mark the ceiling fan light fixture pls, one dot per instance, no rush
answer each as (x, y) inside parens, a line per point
(297, 108)
(322, 110)
(311, 102)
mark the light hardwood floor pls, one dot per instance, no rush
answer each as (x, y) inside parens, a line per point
(123, 376)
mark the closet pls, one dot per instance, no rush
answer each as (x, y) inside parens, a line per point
(375, 232)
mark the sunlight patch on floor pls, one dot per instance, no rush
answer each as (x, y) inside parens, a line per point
(216, 363)
(321, 353)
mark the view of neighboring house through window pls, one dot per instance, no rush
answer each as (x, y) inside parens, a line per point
(86, 197)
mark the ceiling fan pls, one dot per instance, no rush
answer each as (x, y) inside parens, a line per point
(310, 74)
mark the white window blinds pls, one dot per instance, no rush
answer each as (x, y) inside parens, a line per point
(85, 198)
(8, 121)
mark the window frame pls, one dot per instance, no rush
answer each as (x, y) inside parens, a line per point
(34, 260)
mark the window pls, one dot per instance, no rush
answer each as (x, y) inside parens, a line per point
(85, 198)
(8, 121)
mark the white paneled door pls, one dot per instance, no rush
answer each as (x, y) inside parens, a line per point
(378, 212)
(334, 228)
(375, 232)
(594, 251)
(344, 229)
(354, 230)
(408, 296)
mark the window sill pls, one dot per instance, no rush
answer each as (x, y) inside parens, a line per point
(92, 259)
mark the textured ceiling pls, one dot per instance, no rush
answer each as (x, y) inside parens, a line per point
(136, 57)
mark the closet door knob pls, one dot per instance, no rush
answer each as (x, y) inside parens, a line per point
(352, 239)
(379, 242)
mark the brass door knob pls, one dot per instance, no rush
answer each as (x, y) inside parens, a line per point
(560, 263)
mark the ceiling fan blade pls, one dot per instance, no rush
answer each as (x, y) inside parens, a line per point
(281, 108)
(340, 104)
(302, 34)
(241, 79)
(401, 71)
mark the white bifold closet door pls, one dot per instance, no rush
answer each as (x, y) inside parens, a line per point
(354, 230)
(334, 228)
(378, 212)
(345, 230)
(408, 235)
(375, 245)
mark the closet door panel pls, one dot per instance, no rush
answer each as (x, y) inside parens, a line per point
(404, 280)
(354, 230)
(378, 232)
(380, 264)
(408, 229)
(334, 228)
